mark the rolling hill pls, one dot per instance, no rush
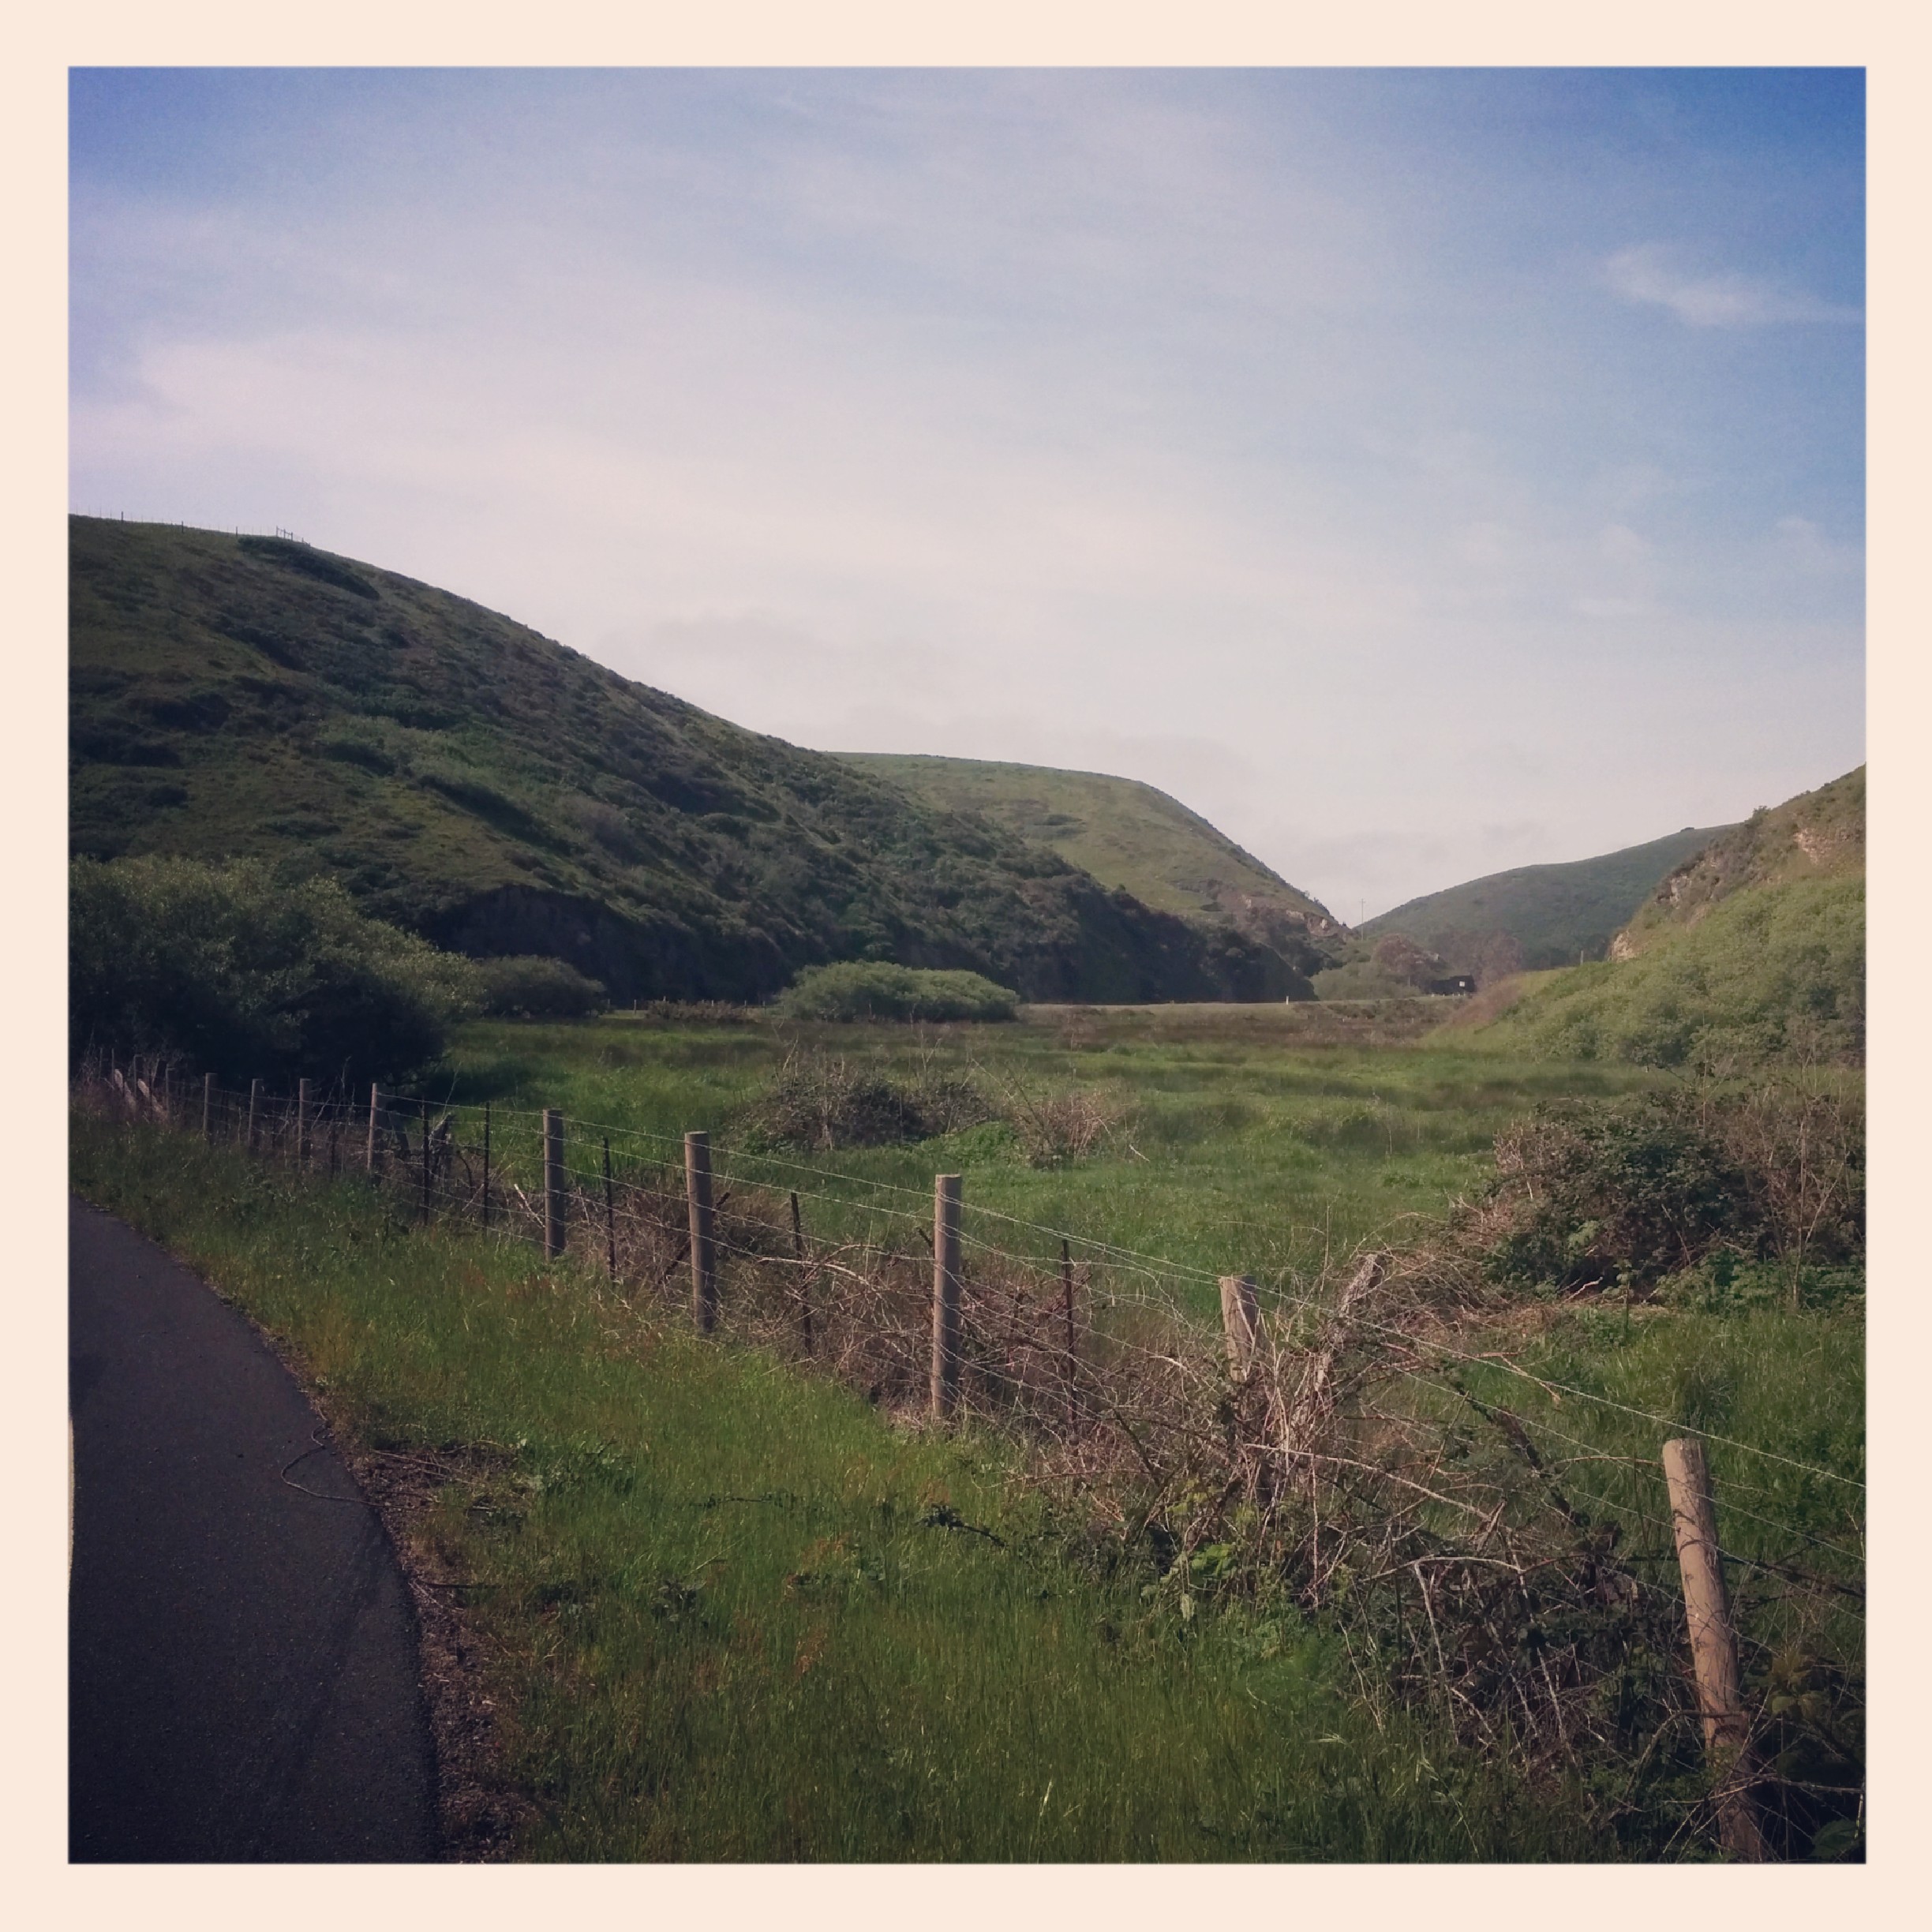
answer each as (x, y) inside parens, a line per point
(1128, 836)
(1537, 917)
(1751, 951)
(1818, 834)
(486, 787)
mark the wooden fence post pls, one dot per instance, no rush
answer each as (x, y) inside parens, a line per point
(207, 1108)
(945, 1341)
(1241, 1319)
(703, 1231)
(486, 1161)
(302, 1123)
(610, 1218)
(375, 1109)
(422, 1109)
(1072, 1357)
(804, 1275)
(254, 1129)
(554, 1183)
(1713, 1644)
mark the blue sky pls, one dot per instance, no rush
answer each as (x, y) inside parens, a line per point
(1419, 473)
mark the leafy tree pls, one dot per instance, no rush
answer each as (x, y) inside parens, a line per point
(244, 974)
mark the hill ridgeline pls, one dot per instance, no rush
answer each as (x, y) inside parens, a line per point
(498, 793)
(1130, 836)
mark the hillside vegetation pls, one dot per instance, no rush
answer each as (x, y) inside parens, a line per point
(1537, 917)
(1816, 835)
(1131, 837)
(489, 789)
(248, 976)
(1752, 952)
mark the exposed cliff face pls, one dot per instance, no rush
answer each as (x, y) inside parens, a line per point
(1817, 835)
(471, 780)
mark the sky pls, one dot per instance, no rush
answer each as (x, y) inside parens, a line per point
(1418, 473)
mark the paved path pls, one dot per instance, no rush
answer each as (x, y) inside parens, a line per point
(242, 1674)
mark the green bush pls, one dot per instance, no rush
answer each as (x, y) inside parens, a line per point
(246, 975)
(527, 985)
(871, 989)
(820, 1104)
(1719, 1187)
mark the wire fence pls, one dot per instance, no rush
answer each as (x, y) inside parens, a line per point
(1347, 1445)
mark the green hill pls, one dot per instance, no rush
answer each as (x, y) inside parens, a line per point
(1751, 950)
(497, 792)
(1775, 972)
(1131, 837)
(1537, 917)
(1818, 834)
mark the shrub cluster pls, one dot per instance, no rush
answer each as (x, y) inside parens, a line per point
(1620, 1197)
(533, 986)
(876, 990)
(246, 975)
(819, 1103)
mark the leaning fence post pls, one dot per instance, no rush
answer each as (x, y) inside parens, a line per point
(254, 1130)
(1241, 1319)
(554, 1183)
(207, 1108)
(945, 1342)
(1713, 1643)
(703, 1231)
(302, 1123)
(374, 1108)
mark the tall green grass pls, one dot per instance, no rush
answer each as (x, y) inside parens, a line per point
(1238, 1150)
(732, 1615)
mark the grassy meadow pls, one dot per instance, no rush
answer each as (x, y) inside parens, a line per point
(1236, 1145)
(732, 1612)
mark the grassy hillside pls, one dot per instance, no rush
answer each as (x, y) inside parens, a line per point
(1772, 972)
(1538, 916)
(1129, 836)
(481, 784)
(1752, 950)
(1816, 835)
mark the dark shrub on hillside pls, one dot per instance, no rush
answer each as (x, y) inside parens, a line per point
(819, 1103)
(1621, 1196)
(531, 987)
(869, 990)
(243, 975)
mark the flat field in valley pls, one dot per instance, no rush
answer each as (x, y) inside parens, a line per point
(1258, 1140)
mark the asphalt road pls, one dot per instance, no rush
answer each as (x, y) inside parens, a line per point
(242, 1677)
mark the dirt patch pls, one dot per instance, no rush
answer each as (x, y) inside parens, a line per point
(480, 1811)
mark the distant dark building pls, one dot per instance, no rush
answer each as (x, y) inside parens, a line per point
(1457, 983)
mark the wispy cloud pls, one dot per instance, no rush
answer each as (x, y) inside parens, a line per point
(1656, 273)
